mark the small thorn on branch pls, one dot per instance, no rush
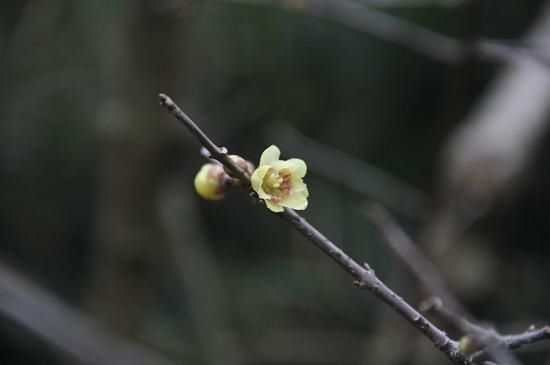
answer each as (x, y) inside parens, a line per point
(431, 304)
(368, 268)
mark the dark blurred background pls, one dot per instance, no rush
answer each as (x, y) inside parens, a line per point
(436, 109)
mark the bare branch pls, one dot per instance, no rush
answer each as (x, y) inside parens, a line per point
(444, 301)
(407, 251)
(531, 336)
(365, 277)
(515, 341)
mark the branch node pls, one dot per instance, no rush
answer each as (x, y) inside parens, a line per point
(368, 268)
(359, 283)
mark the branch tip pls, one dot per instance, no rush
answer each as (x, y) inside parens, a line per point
(163, 98)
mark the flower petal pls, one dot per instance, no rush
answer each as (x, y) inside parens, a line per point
(296, 201)
(257, 179)
(297, 167)
(299, 187)
(274, 207)
(270, 155)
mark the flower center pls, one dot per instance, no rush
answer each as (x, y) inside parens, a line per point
(277, 183)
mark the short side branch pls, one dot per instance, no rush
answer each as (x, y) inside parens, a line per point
(511, 342)
(531, 336)
(494, 344)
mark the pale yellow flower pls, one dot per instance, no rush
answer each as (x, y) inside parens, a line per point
(279, 183)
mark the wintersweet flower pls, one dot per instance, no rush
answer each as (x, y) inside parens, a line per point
(279, 183)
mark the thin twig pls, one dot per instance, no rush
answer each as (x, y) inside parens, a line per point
(420, 266)
(448, 305)
(365, 277)
(531, 336)
(514, 341)
(218, 153)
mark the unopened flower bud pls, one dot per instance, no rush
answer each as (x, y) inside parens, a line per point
(210, 182)
(245, 165)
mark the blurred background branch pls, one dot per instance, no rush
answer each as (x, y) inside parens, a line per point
(72, 332)
(355, 174)
(199, 275)
(491, 342)
(491, 150)
(410, 3)
(437, 46)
